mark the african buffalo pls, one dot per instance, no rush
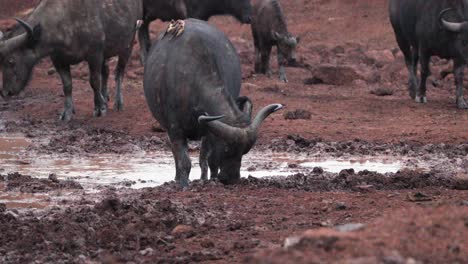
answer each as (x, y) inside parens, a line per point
(192, 81)
(431, 28)
(269, 29)
(200, 9)
(72, 31)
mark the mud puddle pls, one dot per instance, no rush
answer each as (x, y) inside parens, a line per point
(139, 170)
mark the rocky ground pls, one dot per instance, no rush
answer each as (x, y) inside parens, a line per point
(347, 97)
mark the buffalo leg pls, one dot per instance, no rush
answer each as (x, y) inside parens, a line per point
(203, 159)
(214, 167)
(65, 75)
(265, 57)
(413, 73)
(95, 79)
(105, 77)
(144, 41)
(425, 72)
(258, 58)
(258, 61)
(459, 68)
(119, 75)
(182, 159)
(282, 71)
(411, 61)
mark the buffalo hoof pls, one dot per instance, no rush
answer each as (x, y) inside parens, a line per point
(184, 183)
(118, 105)
(283, 78)
(461, 103)
(228, 181)
(67, 114)
(102, 111)
(412, 90)
(420, 99)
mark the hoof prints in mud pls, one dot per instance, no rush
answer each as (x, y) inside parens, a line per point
(129, 230)
(362, 181)
(27, 184)
(299, 144)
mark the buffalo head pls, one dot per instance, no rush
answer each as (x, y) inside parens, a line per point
(286, 47)
(18, 58)
(229, 143)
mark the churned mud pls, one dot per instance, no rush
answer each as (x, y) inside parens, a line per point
(352, 170)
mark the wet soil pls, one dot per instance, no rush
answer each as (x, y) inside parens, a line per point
(346, 99)
(16, 182)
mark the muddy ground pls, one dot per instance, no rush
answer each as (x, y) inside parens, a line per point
(346, 98)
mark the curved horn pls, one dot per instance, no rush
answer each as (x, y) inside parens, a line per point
(203, 119)
(450, 26)
(236, 134)
(13, 43)
(25, 25)
(264, 113)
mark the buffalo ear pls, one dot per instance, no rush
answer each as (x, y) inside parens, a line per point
(35, 36)
(245, 105)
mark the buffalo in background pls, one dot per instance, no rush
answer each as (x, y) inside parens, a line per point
(431, 28)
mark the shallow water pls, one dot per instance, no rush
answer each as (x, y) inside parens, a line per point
(140, 170)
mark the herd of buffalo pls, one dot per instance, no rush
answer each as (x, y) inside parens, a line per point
(192, 75)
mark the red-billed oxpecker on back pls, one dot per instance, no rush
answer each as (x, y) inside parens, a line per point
(164, 10)
(167, 10)
(69, 32)
(269, 29)
(431, 28)
(192, 82)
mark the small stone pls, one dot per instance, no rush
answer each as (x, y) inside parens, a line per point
(317, 170)
(418, 197)
(340, 206)
(51, 71)
(207, 244)
(363, 188)
(147, 252)
(53, 177)
(183, 230)
(291, 241)
(350, 227)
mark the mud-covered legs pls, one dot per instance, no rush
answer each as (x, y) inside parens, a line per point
(425, 72)
(459, 68)
(203, 159)
(144, 40)
(65, 75)
(95, 79)
(119, 75)
(182, 159)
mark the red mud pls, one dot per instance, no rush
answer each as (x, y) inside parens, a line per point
(348, 58)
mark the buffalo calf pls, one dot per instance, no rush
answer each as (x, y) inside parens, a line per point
(269, 29)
